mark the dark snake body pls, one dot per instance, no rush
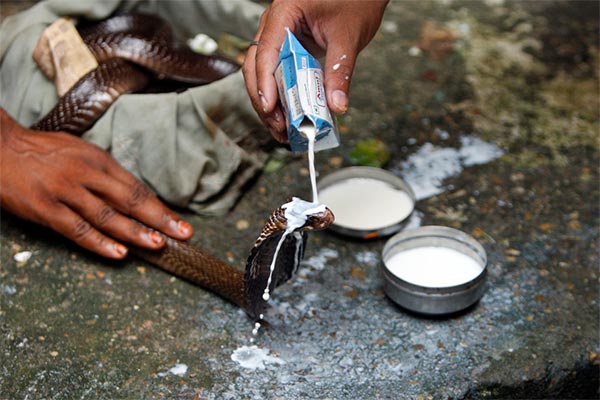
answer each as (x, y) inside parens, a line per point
(79, 108)
(148, 41)
(130, 50)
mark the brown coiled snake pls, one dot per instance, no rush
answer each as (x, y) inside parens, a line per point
(131, 50)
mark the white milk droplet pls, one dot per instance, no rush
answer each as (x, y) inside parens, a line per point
(203, 44)
(23, 256)
(178, 369)
(336, 67)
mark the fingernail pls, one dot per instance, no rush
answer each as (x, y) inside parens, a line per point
(184, 228)
(265, 105)
(156, 237)
(340, 100)
(120, 249)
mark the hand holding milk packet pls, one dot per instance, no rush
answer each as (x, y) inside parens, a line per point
(300, 83)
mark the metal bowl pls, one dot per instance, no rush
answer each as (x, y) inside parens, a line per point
(434, 300)
(369, 173)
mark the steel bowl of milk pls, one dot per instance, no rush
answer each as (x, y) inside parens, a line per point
(434, 270)
(367, 202)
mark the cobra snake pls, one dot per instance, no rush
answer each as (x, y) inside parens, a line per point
(132, 49)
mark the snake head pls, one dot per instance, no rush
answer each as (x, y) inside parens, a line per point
(301, 215)
(318, 221)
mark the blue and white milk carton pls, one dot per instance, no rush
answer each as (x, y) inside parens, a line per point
(299, 79)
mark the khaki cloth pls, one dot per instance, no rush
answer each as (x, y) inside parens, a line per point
(183, 145)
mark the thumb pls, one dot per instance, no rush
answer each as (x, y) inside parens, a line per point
(339, 65)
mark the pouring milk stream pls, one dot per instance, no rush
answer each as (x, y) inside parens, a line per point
(310, 126)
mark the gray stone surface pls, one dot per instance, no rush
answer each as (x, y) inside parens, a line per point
(521, 75)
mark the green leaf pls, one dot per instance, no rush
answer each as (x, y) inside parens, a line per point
(370, 152)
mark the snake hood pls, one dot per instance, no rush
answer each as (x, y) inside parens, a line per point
(289, 224)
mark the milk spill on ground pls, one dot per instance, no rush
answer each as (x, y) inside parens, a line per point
(253, 357)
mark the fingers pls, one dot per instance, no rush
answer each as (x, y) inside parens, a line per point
(68, 223)
(131, 198)
(259, 68)
(102, 221)
(339, 66)
(117, 205)
(106, 219)
(266, 57)
(103, 226)
(274, 120)
(140, 203)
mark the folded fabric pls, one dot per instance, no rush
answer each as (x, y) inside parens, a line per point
(185, 146)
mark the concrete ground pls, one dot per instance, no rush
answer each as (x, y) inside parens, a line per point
(521, 77)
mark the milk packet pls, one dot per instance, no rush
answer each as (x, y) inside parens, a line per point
(300, 83)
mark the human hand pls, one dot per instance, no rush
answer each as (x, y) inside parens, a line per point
(77, 189)
(338, 29)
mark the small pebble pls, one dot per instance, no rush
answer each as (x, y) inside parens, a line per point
(230, 256)
(357, 272)
(336, 161)
(414, 51)
(242, 224)
(22, 257)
